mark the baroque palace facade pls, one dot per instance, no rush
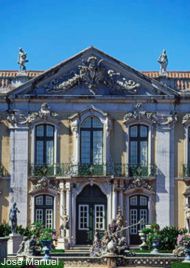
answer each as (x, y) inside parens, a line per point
(91, 136)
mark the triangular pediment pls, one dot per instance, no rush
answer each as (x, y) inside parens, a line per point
(93, 73)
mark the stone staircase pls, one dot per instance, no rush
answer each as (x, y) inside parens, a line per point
(78, 251)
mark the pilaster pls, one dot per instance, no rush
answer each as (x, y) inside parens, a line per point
(19, 171)
(165, 177)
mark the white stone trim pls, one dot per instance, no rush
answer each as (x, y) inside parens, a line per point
(76, 122)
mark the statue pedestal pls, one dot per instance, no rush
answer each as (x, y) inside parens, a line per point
(62, 243)
(111, 260)
(13, 243)
(20, 79)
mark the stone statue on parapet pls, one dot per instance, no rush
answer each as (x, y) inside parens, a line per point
(13, 217)
(22, 59)
(163, 61)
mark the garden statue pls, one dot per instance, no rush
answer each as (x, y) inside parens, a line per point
(29, 247)
(114, 241)
(22, 59)
(13, 217)
(163, 60)
(65, 220)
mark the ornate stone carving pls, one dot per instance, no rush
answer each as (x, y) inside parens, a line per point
(138, 114)
(162, 119)
(139, 183)
(16, 117)
(44, 184)
(165, 119)
(186, 118)
(93, 73)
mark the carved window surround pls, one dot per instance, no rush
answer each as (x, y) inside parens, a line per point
(154, 120)
(44, 186)
(75, 122)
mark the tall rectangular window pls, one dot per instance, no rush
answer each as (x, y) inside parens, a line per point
(138, 147)
(44, 145)
(91, 141)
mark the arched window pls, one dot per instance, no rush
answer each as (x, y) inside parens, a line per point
(91, 141)
(44, 144)
(138, 148)
(44, 210)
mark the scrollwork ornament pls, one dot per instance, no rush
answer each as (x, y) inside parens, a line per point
(186, 119)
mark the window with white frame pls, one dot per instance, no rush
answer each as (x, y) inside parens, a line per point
(43, 210)
(83, 217)
(44, 144)
(91, 141)
(99, 217)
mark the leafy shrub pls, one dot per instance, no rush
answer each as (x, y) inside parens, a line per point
(5, 230)
(168, 237)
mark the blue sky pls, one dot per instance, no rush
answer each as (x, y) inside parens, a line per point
(134, 31)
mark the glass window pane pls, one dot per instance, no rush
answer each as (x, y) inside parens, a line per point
(133, 220)
(97, 147)
(39, 200)
(39, 152)
(133, 152)
(133, 131)
(49, 218)
(96, 123)
(49, 131)
(85, 147)
(143, 131)
(143, 201)
(40, 131)
(49, 152)
(39, 215)
(49, 200)
(86, 123)
(133, 201)
(143, 153)
(144, 216)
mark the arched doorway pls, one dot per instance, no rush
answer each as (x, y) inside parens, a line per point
(91, 207)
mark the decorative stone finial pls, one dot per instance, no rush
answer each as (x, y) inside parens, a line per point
(22, 59)
(163, 60)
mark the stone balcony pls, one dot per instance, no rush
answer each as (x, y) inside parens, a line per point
(93, 170)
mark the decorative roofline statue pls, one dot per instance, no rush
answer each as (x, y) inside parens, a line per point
(163, 60)
(22, 59)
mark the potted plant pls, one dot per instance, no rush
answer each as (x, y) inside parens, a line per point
(155, 243)
(46, 241)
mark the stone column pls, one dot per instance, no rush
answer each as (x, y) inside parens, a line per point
(165, 166)
(109, 204)
(61, 209)
(19, 171)
(68, 209)
(114, 202)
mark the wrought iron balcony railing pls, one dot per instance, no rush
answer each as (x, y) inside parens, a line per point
(117, 170)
